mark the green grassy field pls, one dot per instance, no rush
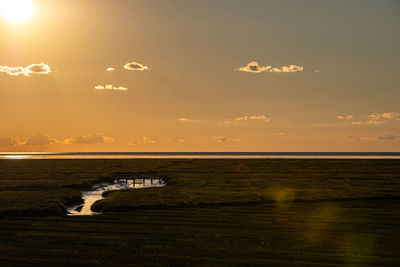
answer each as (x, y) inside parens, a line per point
(212, 212)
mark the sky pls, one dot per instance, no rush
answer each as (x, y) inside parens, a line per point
(183, 75)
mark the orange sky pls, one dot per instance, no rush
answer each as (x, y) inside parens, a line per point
(179, 75)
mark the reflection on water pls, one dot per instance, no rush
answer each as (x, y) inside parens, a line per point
(14, 156)
(96, 193)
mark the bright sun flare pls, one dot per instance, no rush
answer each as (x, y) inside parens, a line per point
(16, 11)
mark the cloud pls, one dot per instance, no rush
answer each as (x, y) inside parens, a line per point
(34, 140)
(384, 137)
(142, 140)
(133, 143)
(224, 139)
(110, 87)
(280, 134)
(380, 118)
(147, 140)
(40, 68)
(39, 140)
(8, 141)
(345, 117)
(317, 71)
(185, 119)
(290, 68)
(255, 67)
(357, 122)
(388, 136)
(135, 66)
(254, 117)
(110, 69)
(95, 138)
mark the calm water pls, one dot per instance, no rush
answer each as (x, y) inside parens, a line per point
(203, 155)
(96, 193)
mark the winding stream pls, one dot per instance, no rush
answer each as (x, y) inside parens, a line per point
(97, 190)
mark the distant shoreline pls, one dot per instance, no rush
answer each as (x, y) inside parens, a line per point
(200, 155)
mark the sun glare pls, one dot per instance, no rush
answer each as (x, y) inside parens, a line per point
(16, 11)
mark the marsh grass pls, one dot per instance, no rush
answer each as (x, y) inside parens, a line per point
(212, 212)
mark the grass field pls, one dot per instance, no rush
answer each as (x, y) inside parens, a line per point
(212, 212)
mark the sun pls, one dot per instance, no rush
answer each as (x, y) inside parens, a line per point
(16, 11)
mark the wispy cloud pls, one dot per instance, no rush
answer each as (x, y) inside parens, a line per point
(255, 67)
(382, 137)
(30, 70)
(135, 66)
(380, 118)
(388, 136)
(253, 117)
(110, 69)
(185, 119)
(95, 138)
(345, 117)
(142, 140)
(224, 139)
(110, 87)
(357, 123)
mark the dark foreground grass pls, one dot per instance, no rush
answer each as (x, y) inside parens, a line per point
(213, 212)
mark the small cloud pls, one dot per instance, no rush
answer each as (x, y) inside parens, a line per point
(317, 71)
(380, 118)
(134, 142)
(39, 140)
(147, 140)
(181, 140)
(185, 119)
(345, 117)
(384, 137)
(356, 122)
(95, 138)
(110, 69)
(280, 134)
(361, 138)
(255, 67)
(290, 68)
(135, 66)
(388, 136)
(224, 139)
(352, 137)
(391, 115)
(110, 87)
(375, 122)
(40, 68)
(254, 117)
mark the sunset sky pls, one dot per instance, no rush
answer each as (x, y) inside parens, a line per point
(181, 75)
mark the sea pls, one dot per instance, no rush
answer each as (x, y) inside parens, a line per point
(201, 155)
